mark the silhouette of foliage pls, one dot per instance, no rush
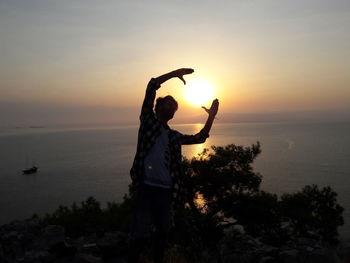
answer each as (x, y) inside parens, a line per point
(230, 194)
(222, 191)
(313, 210)
(89, 218)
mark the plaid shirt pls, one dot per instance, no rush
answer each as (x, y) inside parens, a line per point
(150, 129)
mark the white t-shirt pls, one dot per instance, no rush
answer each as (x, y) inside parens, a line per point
(157, 162)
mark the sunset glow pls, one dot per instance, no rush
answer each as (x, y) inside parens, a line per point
(89, 62)
(199, 92)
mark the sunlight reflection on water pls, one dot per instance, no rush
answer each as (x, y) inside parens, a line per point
(199, 201)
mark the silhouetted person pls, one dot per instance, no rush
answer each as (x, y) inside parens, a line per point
(156, 168)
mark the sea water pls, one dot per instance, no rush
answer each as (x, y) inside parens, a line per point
(77, 163)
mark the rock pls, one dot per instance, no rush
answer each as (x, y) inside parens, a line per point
(91, 245)
(288, 256)
(38, 256)
(17, 226)
(65, 260)
(253, 242)
(12, 248)
(10, 236)
(239, 228)
(33, 226)
(52, 236)
(307, 242)
(267, 250)
(63, 250)
(268, 259)
(115, 260)
(309, 249)
(113, 243)
(343, 251)
(86, 245)
(323, 255)
(231, 258)
(81, 242)
(86, 258)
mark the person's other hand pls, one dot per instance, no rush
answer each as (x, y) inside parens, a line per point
(179, 73)
(213, 108)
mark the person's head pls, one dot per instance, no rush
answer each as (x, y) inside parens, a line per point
(166, 107)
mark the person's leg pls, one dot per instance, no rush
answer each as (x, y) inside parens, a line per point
(159, 247)
(141, 224)
(136, 247)
(163, 216)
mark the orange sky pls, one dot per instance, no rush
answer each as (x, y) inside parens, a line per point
(261, 56)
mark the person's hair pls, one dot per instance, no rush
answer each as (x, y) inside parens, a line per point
(160, 101)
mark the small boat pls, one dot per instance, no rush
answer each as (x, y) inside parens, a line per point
(31, 170)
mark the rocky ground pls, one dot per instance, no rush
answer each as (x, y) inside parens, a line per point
(302, 250)
(29, 241)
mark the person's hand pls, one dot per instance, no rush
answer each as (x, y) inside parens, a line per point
(213, 109)
(179, 73)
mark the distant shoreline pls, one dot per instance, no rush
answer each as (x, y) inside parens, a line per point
(23, 130)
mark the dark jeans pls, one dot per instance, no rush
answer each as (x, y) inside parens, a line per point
(153, 208)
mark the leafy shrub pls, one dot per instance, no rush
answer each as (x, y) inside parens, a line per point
(222, 191)
(313, 210)
(89, 218)
(230, 189)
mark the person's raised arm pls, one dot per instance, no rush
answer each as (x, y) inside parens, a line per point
(212, 113)
(201, 136)
(179, 73)
(154, 85)
(148, 101)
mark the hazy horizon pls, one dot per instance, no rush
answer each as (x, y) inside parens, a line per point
(32, 115)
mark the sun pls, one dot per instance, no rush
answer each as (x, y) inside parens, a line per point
(199, 92)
